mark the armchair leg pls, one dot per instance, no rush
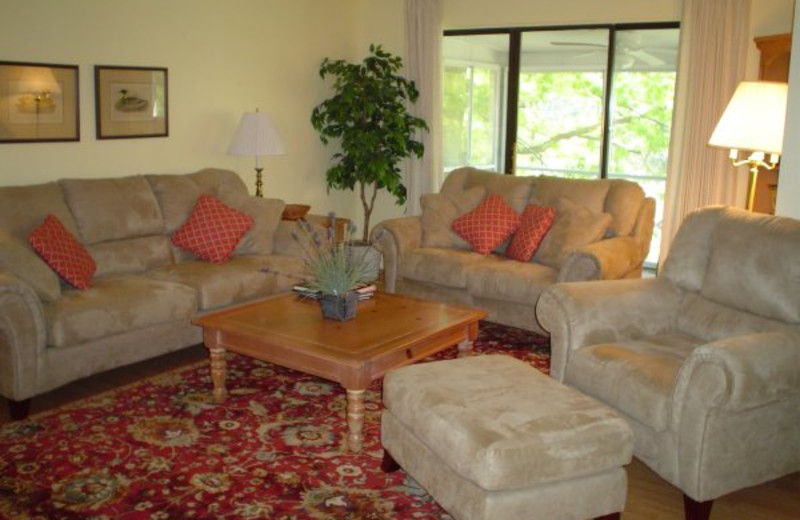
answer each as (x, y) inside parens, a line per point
(19, 410)
(612, 516)
(694, 510)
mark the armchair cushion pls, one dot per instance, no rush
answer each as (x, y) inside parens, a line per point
(440, 266)
(638, 376)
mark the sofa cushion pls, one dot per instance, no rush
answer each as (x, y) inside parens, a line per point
(637, 376)
(574, 226)
(499, 278)
(213, 230)
(238, 280)
(266, 214)
(19, 259)
(747, 251)
(25, 207)
(63, 253)
(131, 255)
(589, 193)
(176, 195)
(439, 210)
(488, 225)
(533, 226)
(116, 305)
(113, 209)
(440, 266)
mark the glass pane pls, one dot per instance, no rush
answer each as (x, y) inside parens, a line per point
(560, 111)
(645, 63)
(473, 112)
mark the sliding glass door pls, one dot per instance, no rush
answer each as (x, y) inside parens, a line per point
(581, 102)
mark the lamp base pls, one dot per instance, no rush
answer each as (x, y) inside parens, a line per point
(259, 184)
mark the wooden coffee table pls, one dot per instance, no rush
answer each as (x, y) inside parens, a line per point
(389, 331)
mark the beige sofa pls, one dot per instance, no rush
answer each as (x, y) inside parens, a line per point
(703, 360)
(602, 230)
(145, 290)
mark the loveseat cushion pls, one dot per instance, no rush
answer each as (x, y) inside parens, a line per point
(440, 266)
(514, 190)
(533, 227)
(574, 226)
(113, 209)
(637, 376)
(439, 210)
(240, 279)
(115, 305)
(488, 225)
(591, 194)
(499, 278)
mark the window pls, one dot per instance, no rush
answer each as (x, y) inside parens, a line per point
(542, 102)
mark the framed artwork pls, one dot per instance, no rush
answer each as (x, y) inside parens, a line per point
(130, 102)
(38, 102)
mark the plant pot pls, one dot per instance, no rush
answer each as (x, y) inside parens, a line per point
(340, 307)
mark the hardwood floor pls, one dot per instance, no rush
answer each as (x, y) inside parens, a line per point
(649, 497)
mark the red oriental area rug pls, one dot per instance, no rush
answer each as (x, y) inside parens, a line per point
(161, 449)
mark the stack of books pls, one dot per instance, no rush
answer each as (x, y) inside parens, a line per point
(365, 291)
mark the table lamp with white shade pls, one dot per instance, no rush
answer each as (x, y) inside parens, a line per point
(753, 121)
(256, 136)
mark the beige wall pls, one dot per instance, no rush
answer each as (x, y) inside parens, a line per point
(224, 58)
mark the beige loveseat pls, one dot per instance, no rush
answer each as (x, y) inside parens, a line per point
(145, 290)
(602, 230)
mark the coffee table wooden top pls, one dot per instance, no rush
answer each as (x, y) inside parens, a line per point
(389, 331)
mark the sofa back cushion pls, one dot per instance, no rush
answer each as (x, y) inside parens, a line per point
(23, 208)
(753, 265)
(266, 214)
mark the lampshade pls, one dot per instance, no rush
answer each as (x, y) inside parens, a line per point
(256, 136)
(754, 118)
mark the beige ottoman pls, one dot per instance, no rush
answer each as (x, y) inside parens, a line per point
(492, 438)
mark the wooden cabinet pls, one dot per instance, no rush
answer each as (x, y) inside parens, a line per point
(773, 66)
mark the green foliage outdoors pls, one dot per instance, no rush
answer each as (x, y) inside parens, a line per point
(368, 115)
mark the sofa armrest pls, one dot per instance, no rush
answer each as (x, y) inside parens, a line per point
(586, 313)
(22, 337)
(607, 259)
(394, 237)
(750, 370)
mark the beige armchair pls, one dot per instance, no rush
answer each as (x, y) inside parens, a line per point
(703, 360)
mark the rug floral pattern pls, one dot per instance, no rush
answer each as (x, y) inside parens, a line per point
(161, 449)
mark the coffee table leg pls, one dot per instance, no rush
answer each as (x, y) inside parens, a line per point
(465, 347)
(218, 373)
(355, 420)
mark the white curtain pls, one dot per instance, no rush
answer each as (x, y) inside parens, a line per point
(713, 51)
(424, 67)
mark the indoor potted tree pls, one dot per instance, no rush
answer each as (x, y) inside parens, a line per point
(368, 114)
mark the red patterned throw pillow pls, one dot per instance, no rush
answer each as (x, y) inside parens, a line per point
(534, 225)
(63, 253)
(213, 230)
(486, 226)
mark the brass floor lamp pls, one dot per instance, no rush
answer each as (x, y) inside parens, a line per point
(753, 121)
(256, 136)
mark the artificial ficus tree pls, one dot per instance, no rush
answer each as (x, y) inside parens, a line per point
(368, 114)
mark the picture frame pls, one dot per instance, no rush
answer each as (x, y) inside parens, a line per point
(39, 102)
(131, 102)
